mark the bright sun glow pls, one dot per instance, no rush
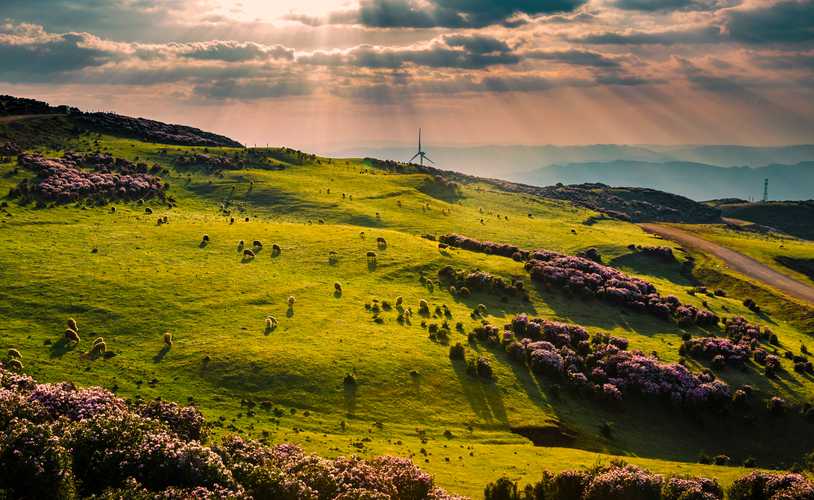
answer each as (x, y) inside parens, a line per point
(271, 10)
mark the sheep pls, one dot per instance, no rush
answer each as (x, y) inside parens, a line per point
(399, 300)
(15, 364)
(257, 244)
(320, 221)
(168, 339)
(240, 245)
(371, 256)
(276, 250)
(98, 348)
(271, 323)
(232, 220)
(423, 307)
(381, 242)
(291, 301)
(248, 254)
(362, 234)
(72, 324)
(98, 340)
(148, 211)
(14, 353)
(338, 287)
(113, 210)
(205, 238)
(71, 335)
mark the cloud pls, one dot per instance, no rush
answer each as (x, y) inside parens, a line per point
(671, 5)
(29, 54)
(576, 57)
(442, 13)
(452, 51)
(251, 90)
(690, 35)
(788, 21)
(230, 51)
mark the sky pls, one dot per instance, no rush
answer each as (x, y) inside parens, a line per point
(325, 75)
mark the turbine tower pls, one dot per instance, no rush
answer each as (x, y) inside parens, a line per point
(421, 154)
(765, 190)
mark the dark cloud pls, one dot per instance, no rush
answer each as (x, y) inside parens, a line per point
(443, 13)
(464, 52)
(693, 35)
(28, 54)
(574, 57)
(786, 60)
(230, 51)
(704, 80)
(670, 5)
(789, 21)
(251, 90)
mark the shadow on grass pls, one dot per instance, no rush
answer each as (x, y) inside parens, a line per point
(484, 396)
(160, 355)
(653, 266)
(62, 347)
(350, 391)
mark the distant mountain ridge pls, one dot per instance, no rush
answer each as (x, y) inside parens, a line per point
(500, 161)
(694, 180)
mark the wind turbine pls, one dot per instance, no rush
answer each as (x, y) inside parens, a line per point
(421, 154)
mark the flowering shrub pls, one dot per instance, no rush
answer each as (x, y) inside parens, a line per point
(62, 181)
(620, 481)
(479, 280)
(590, 279)
(734, 353)
(663, 253)
(771, 486)
(473, 245)
(57, 441)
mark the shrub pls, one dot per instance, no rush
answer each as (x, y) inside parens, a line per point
(14, 353)
(624, 483)
(759, 485)
(692, 488)
(502, 489)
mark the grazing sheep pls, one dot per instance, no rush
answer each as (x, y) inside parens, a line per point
(371, 256)
(291, 301)
(98, 348)
(320, 221)
(338, 287)
(98, 340)
(573, 231)
(240, 245)
(246, 219)
(113, 210)
(362, 235)
(248, 254)
(271, 323)
(276, 250)
(257, 244)
(232, 220)
(148, 210)
(14, 353)
(72, 324)
(168, 339)
(205, 238)
(381, 242)
(423, 307)
(15, 364)
(399, 300)
(71, 335)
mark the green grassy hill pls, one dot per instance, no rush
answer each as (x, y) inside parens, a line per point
(128, 279)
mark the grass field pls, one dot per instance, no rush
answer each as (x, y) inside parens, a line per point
(129, 280)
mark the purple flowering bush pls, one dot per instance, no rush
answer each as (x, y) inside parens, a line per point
(62, 180)
(603, 364)
(587, 278)
(488, 247)
(58, 441)
(772, 486)
(621, 481)
(735, 353)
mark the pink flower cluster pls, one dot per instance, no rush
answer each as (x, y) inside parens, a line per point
(617, 481)
(488, 247)
(733, 352)
(61, 180)
(563, 350)
(772, 486)
(479, 280)
(57, 441)
(591, 279)
(738, 328)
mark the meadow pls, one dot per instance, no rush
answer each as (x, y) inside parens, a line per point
(126, 278)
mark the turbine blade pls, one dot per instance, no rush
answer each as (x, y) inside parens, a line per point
(414, 157)
(428, 159)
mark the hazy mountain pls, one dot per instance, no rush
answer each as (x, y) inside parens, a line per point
(499, 161)
(694, 180)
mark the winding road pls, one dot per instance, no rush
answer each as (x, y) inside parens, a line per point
(737, 261)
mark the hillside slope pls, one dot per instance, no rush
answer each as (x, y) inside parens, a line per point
(310, 341)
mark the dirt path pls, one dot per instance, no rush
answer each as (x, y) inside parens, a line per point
(737, 261)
